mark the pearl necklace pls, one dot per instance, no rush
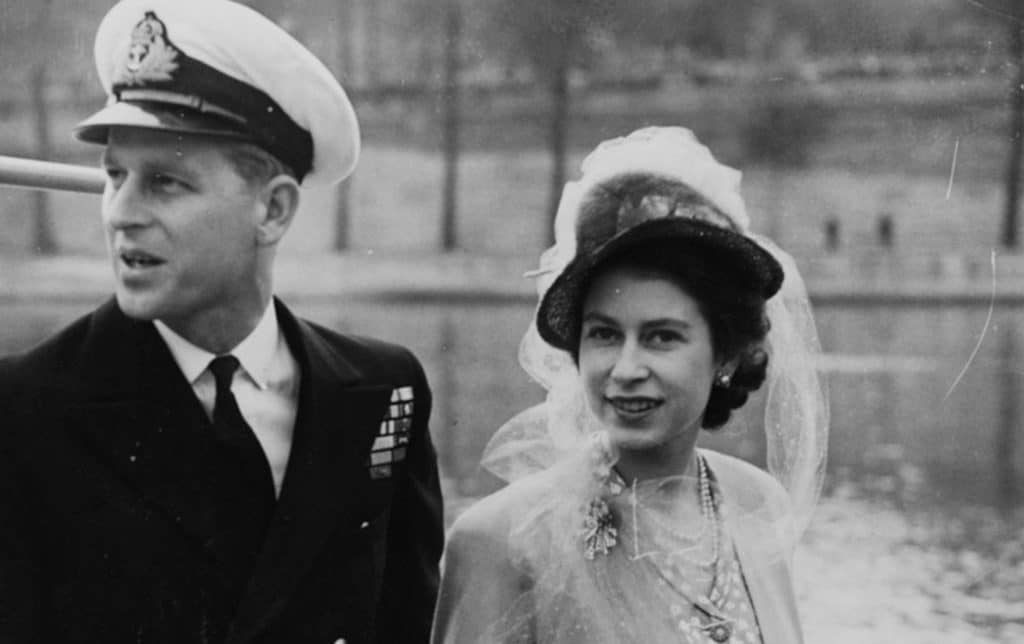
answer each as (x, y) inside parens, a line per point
(600, 535)
(708, 511)
(715, 625)
(666, 526)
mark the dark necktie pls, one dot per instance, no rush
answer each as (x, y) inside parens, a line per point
(244, 485)
(231, 428)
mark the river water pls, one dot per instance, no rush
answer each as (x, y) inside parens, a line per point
(919, 534)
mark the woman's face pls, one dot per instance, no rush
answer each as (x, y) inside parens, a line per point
(647, 361)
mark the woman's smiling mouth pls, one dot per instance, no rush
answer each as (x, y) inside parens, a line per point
(633, 406)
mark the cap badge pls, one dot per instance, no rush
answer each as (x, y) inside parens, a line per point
(149, 56)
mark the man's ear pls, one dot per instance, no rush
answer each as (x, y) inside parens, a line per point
(280, 198)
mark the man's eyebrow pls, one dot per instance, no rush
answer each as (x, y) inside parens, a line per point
(153, 166)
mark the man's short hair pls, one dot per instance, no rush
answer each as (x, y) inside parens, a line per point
(254, 164)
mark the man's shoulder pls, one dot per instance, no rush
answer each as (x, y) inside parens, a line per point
(54, 355)
(358, 343)
(369, 353)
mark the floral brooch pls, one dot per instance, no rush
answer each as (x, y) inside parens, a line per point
(599, 532)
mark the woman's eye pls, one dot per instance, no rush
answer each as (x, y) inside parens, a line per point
(601, 333)
(664, 336)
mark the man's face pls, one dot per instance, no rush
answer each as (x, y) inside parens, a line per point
(181, 227)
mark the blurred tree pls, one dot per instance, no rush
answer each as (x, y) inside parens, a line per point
(372, 39)
(1010, 236)
(30, 31)
(437, 44)
(343, 20)
(1005, 448)
(1008, 15)
(554, 37)
(779, 133)
(451, 122)
(44, 240)
(755, 29)
(345, 69)
(716, 28)
(21, 48)
(869, 26)
(783, 125)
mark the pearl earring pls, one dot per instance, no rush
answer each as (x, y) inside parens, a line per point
(723, 380)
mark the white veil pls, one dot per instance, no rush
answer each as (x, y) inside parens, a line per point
(796, 412)
(522, 565)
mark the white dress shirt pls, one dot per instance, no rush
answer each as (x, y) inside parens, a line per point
(266, 385)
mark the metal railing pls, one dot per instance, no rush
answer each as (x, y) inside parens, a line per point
(50, 175)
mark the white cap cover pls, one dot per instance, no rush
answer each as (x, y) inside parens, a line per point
(219, 68)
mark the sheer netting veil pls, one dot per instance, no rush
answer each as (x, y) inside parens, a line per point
(796, 414)
(559, 459)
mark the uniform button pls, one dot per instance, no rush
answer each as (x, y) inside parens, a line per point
(362, 526)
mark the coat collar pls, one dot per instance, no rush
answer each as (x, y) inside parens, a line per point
(339, 412)
(256, 352)
(143, 418)
(121, 359)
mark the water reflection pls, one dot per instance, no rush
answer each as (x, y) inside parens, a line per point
(915, 540)
(902, 431)
(1009, 418)
(896, 435)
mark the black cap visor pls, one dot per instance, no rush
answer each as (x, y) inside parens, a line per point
(156, 116)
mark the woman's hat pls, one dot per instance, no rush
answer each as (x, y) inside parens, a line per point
(657, 186)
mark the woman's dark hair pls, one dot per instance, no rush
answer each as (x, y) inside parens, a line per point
(735, 315)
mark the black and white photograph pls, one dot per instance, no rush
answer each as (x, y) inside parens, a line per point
(490, 322)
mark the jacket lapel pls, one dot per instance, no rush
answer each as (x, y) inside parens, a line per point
(773, 603)
(765, 567)
(336, 423)
(140, 418)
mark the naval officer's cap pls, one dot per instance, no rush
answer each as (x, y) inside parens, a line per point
(220, 69)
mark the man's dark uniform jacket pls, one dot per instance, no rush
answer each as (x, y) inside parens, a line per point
(105, 519)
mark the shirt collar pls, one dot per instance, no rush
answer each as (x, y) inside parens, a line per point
(255, 352)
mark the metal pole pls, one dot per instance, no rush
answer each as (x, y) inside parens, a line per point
(49, 175)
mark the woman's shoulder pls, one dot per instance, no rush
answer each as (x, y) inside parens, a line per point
(497, 513)
(747, 485)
